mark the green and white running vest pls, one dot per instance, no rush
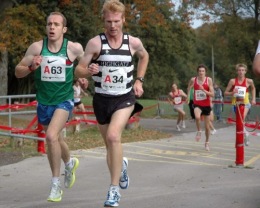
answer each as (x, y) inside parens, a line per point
(54, 77)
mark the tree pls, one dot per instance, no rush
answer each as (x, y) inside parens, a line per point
(231, 28)
(168, 41)
(3, 55)
(17, 34)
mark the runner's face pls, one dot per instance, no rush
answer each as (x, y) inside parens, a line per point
(241, 72)
(174, 86)
(54, 28)
(201, 72)
(113, 23)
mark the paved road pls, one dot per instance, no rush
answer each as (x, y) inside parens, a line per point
(174, 172)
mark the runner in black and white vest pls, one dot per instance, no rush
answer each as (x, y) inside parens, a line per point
(108, 59)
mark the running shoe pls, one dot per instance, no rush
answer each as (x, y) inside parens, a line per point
(124, 179)
(70, 177)
(178, 127)
(113, 197)
(183, 125)
(198, 136)
(207, 146)
(56, 193)
(214, 131)
(246, 139)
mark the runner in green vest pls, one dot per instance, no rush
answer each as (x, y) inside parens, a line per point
(51, 61)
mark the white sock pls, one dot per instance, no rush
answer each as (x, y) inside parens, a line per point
(69, 163)
(55, 180)
(114, 188)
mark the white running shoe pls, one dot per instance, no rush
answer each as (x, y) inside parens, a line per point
(207, 146)
(198, 136)
(183, 125)
(56, 193)
(178, 127)
(113, 198)
(70, 177)
(124, 179)
(246, 139)
(214, 131)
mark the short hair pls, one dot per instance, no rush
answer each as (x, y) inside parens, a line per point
(241, 65)
(202, 66)
(63, 17)
(113, 6)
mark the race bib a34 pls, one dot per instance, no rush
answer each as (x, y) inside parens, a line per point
(113, 79)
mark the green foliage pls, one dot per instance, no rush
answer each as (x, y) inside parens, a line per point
(18, 33)
(21, 26)
(86, 22)
(234, 35)
(231, 44)
(175, 48)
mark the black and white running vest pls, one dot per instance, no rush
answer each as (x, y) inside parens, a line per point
(115, 68)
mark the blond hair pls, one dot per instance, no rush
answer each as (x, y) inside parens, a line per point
(241, 65)
(113, 6)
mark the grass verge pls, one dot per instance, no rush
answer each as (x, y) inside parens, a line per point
(88, 137)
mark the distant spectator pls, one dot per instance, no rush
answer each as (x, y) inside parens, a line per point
(218, 102)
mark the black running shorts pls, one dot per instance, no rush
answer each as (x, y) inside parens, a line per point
(205, 110)
(104, 106)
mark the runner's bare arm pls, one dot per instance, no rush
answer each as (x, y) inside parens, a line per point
(256, 65)
(211, 89)
(30, 62)
(138, 49)
(253, 91)
(75, 51)
(229, 87)
(143, 56)
(84, 68)
(183, 94)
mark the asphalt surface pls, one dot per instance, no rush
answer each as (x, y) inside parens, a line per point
(174, 172)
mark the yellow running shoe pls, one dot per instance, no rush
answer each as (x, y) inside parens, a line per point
(56, 193)
(70, 177)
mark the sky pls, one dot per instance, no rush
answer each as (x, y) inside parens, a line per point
(195, 23)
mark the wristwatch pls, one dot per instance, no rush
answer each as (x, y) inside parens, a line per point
(141, 79)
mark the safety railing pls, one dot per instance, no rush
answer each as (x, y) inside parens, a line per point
(11, 110)
(16, 109)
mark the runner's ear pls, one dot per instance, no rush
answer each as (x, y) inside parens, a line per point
(65, 29)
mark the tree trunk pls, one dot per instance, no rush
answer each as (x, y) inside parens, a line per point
(3, 75)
